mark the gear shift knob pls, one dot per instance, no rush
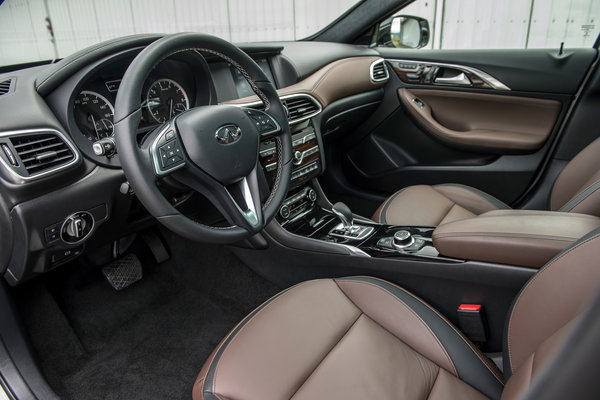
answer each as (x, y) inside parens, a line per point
(343, 212)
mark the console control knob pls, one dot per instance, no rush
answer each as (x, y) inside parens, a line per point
(311, 195)
(298, 156)
(284, 211)
(104, 147)
(403, 238)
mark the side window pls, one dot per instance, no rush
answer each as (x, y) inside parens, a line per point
(493, 24)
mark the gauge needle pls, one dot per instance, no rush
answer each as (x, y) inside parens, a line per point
(170, 108)
(95, 128)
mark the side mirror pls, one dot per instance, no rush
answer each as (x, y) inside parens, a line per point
(409, 32)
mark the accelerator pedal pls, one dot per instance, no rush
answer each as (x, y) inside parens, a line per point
(123, 272)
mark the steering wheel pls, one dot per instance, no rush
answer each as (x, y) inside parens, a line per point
(212, 149)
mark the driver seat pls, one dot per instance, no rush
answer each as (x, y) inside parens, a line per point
(363, 337)
(576, 190)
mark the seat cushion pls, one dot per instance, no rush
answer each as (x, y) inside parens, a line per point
(424, 205)
(346, 338)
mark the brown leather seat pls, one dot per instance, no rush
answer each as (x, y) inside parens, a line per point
(577, 190)
(362, 337)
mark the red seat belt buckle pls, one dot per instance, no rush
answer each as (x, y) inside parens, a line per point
(471, 321)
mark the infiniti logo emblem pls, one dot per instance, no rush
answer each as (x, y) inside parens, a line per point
(228, 134)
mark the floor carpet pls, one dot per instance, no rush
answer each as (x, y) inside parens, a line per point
(148, 341)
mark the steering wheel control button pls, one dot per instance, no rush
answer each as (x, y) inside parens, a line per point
(77, 227)
(170, 155)
(262, 121)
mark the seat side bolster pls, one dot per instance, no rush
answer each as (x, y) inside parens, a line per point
(471, 365)
(563, 285)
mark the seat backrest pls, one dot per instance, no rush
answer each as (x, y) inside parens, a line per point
(577, 188)
(546, 310)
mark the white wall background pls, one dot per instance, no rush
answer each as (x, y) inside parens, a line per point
(455, 23)
(509, 24)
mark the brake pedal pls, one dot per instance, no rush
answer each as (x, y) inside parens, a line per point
(123, 272)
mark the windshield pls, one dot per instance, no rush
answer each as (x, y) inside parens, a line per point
(36, 30)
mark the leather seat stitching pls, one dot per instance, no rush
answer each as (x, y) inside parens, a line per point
(413, 312)
(459, 333)
(327, 355)
(597, 184)
(432, 386)
(550, 264)
(233, 332)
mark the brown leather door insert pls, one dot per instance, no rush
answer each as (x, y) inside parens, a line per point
(483, 120)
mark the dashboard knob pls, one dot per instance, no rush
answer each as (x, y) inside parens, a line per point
(311, 195)
(284, 211)
(77, 227)
(298, 156)
(403, 238)
(104, 147)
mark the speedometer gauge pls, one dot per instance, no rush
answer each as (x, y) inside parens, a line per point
(93, 115)
(166, 98)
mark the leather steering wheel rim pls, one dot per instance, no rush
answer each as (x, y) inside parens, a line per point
(137, 160)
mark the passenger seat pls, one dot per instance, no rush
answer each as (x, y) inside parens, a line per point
(576, 190)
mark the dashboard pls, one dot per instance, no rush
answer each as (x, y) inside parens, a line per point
(70, 201)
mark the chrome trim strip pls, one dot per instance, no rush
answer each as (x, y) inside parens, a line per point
(21, 178)
(288, 96)
(372, 75)
(487, 78)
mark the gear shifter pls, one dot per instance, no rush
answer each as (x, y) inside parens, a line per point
(343, 212)
(346, 229)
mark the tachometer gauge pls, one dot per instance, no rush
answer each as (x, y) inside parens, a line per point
(93, 115)
(166, 98)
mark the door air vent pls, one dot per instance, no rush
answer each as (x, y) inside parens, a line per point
(6, 86)
(379, 71)
(300, 107)
(39, 153)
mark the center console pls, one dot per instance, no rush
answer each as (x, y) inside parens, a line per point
(307, 155)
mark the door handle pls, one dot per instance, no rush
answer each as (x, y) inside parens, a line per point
(460, 79)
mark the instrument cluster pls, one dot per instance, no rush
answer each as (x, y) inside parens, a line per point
(171, 89)
(93, 110)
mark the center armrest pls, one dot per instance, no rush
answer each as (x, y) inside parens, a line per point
(516, 237)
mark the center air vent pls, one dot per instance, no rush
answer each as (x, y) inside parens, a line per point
(6, 86)
(300, 107)
(379, 71)
(38, 153)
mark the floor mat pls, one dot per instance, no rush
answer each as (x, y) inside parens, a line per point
(148, 341)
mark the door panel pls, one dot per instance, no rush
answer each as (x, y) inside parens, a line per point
(482, 121)
(490, 136)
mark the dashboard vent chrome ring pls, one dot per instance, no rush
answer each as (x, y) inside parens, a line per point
(31, 154)
(299, 107)
(379, 71)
